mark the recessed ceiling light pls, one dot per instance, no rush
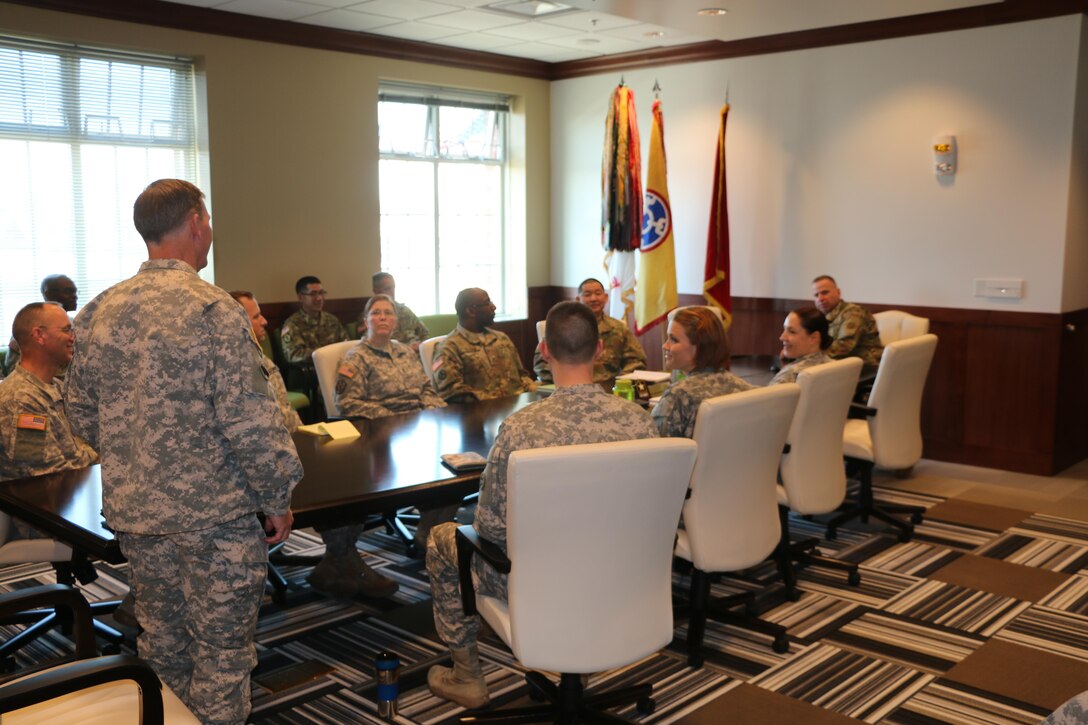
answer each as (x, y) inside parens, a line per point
(713, 11)
(655, 34)
(588, 41)
(529, 8)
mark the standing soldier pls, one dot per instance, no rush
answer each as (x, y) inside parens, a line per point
(167, 384)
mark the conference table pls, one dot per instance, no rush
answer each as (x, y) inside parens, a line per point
(396, 462)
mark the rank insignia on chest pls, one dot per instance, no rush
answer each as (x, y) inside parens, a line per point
(29, 421)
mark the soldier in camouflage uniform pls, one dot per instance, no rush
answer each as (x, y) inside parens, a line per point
(804, 338)
(380, 376)
(696, 346)
(409, 329)
(259, 325)
(57, 288)
(310, 327)
(167, 384)
(35, 437)
(340, 572)
(1073, 711)
(578, 412)
(474, 362)
(620, 350)
(852, 327)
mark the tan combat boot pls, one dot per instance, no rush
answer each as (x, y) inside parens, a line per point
(464, 682)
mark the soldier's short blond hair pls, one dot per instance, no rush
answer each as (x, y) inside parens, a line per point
(163, 206)
(27, 319)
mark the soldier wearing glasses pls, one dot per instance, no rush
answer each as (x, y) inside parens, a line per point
(311, 327)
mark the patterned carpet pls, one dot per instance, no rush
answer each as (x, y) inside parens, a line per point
(981, 618)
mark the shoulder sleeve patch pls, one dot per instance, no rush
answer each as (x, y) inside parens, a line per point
(437, 364)
(346, 371)
(30, 421)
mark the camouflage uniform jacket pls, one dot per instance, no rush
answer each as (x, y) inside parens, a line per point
(570, 416)
(789, 373)
(620, 353)
(279, 390)
(373, 383)
(675, 413)
(302, 333)
(855, 335)
(35, 437)
(409, 328)
(167, 384)
(472, 366)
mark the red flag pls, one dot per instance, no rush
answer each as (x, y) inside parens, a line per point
(716, 276)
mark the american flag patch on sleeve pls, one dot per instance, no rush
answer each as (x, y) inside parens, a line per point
(29, 421)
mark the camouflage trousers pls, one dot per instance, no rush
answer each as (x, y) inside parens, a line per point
(454, 628)
(340, 540)
(197, 598)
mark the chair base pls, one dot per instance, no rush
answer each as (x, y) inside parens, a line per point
(788, 555)
(865, 507)
(568, 703)
(720, 609)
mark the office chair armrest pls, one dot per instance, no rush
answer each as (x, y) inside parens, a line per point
(59, 597)
(82, 675)
(860, 412)
(469, 542)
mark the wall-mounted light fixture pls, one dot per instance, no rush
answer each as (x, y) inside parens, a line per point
(944, 155)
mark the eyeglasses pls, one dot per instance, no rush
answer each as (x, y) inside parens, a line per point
(316, 293)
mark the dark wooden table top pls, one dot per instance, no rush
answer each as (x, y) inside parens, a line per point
(395, 463)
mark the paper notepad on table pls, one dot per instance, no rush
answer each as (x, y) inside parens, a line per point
(650, 376)
(337, 429)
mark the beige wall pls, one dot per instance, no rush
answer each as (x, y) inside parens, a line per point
(293, 145)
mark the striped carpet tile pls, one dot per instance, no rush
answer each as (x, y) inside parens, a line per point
(1038, 552)
(1072, 596)
(957, 607)
(1050, 630)
(915, 644)
(913, 558)
(941, 702)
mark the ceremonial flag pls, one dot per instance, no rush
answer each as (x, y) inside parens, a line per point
(655, 291)
(716, 276)
(621, 199)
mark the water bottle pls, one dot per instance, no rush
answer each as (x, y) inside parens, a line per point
(387, 668)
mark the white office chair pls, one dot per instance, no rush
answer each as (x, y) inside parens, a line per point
(589, 540)
(326, 362)
(891, 434)
(811, 469)
(895, 325)
(426, 354)
(731, 517)
(90, 690)
(540, 331)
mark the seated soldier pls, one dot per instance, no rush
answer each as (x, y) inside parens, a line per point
(804, 338)
(696, 346)
(409, 329)
(475, 362)
(578, 412)
(35, 437)
(341, 572)
(852, 327)
(620, 353)
(310, 327)
(57, 288)
(380, 376)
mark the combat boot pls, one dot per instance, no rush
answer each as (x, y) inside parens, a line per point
(368, 582)
(464, 682)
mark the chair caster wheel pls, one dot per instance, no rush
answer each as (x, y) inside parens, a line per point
(7, 665)
(832, 533)
(904, 536)
(412, 550)
(695, 661)
(916, 518)
(111, 649)
(781, 645)
(646, 705)
(536, 695)
(793, 594)
(751, 609)
(853, 578)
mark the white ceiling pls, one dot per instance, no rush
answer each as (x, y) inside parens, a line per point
(592, 28)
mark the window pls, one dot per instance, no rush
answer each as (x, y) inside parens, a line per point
(443, 180)
(82, 132)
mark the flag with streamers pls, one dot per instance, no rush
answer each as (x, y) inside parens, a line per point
(621, 199)
(655, 290)
(716, 284)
